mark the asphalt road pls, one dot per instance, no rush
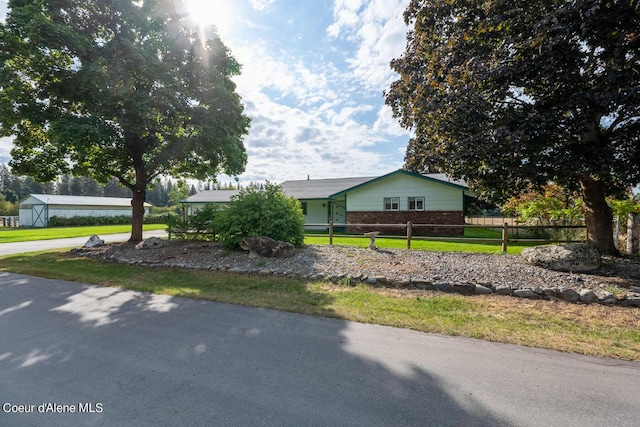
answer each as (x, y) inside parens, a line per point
(123, 358)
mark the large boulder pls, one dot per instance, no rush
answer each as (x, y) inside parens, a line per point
(151, 243)
(573, 257)
(94, 242)
(267, 247)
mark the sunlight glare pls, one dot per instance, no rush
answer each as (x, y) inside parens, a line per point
(210, 12)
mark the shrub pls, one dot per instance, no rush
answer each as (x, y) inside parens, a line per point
(197, 227)
(204, 219)
(261, 212)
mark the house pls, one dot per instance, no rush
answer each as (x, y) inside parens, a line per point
(37, 209)
(394, 198)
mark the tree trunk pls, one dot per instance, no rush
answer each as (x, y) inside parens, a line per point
(137, 202)
(598, 216)
(633, 225)
(137, 219)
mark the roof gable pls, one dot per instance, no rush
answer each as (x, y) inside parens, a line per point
(435, 178)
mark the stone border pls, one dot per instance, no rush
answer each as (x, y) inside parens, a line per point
(560, 293)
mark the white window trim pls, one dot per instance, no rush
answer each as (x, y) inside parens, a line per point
(415, 200)
(391, 200)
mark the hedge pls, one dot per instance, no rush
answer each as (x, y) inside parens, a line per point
(76, 221)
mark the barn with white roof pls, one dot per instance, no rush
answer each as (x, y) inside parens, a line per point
(37, 209)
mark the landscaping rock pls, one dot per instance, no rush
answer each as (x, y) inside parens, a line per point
(607, 298)
(587, 296)
(399, 268)
(464, 288)
(442, 286)
(150, 243)
(424, 285)
(480, 289)
(525, 293)
(570, 295)
(554, 294)
(267, 247)
(632, 300)
(573, 257)
(94, 242)
(504, 290)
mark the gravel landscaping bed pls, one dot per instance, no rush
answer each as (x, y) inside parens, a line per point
(616, 282)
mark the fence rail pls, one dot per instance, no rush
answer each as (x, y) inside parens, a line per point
(506, 231)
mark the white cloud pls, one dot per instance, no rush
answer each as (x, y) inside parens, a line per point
(261, 4)
(3, 10)
(387, 124)
(379, 32)
(6, 144)
(289, 143)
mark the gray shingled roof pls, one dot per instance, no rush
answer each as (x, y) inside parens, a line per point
(320, 188)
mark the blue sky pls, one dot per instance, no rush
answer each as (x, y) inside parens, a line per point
(312, 80)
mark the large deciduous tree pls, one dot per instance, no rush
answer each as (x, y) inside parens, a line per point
(508, 94)
(118, 88)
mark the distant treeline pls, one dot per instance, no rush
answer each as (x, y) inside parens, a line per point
(165, 192)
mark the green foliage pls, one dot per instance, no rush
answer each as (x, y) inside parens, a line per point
(552, 205)
(508, 94)
(159, 218)
(125, 89)
(77, 221)
(204, 219)
(622, 208)
(178, 192)
(197, 227)
(255, 212)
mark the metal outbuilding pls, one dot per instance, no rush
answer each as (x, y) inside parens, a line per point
(37, 209)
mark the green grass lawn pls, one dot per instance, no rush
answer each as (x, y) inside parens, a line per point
(588, 329)
(9, 235)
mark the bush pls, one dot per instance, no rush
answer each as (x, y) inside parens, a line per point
(266, 212)
(197, 227)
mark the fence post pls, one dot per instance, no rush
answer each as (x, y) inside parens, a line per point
(331, 232)
(633, 229)
(409, 232)
(505, 237)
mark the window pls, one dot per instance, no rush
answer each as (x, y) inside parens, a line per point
(391, 203)
(416, 203)
(304, 208)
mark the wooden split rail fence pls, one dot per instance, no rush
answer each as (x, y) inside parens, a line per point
(505, 228)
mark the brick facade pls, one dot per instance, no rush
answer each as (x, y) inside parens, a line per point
(402, 217)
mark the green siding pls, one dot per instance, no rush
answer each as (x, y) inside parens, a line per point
(317, 212)
(437, 197)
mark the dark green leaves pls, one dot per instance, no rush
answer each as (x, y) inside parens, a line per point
(508, 93)
(118, 88)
